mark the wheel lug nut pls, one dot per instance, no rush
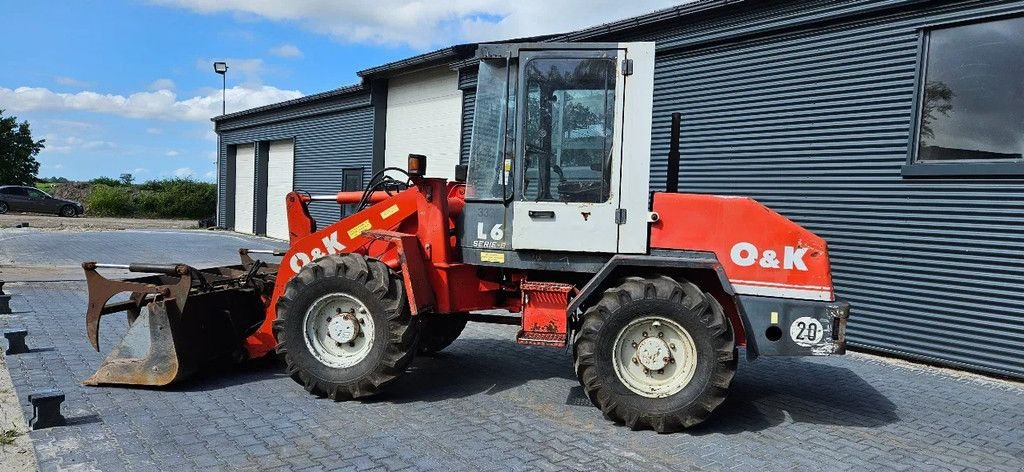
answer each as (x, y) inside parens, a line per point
(661, 371)
(644, 334)
(672, 346)
(636, 361)
(634, 345)
(661, 335)
(671, 361)
(352, 344)
(646, 371)
(338, 310)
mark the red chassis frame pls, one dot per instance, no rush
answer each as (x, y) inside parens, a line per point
(760, 252)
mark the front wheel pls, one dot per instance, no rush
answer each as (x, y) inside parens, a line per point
(344, 328)
(68, 211)
(655, 353)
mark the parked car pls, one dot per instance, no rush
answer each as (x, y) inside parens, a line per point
(31, 199)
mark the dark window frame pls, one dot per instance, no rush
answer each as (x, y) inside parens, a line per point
(360, 172)
(916, 169)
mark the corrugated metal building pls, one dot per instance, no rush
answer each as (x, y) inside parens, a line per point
(892, 128)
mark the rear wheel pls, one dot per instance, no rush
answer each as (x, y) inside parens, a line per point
(3, 207)
(440, 331)
(344, 327)
(655, 353)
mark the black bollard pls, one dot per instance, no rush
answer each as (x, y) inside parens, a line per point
(5, 304)
(16, 341)
(46, 409)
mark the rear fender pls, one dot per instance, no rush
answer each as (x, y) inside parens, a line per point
(701, 268)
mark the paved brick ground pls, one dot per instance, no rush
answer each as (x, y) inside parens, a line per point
(489, 404)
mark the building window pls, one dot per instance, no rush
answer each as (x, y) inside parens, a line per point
(971, 99)
(351, 181)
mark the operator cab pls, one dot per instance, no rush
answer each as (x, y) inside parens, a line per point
(554, 163)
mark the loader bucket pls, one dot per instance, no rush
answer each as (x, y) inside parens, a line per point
(179, 321)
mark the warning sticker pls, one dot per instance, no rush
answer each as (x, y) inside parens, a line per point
(497, 257)
(806, 331)
(391, 210)
(359, 228)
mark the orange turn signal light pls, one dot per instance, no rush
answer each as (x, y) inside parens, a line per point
(417, 165)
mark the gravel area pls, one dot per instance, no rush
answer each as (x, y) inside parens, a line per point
(87, 223)
(17, 456)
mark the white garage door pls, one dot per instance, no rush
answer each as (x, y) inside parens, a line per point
(279, 183)
(245, 180)
(424, 116)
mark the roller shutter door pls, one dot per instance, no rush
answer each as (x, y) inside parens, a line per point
(280, 164)
(245, 180)
(424, 116)
(816, 126)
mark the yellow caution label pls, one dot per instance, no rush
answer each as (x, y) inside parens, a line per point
(391, 210)
(498, 257)
(359, 228)
(775, 317)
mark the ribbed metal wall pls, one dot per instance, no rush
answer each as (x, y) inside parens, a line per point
(467, 83)
(324, 145)
(815, 122)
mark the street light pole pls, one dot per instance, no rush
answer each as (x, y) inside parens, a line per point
(222, 69)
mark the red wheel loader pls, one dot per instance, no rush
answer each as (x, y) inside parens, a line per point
(551, 227)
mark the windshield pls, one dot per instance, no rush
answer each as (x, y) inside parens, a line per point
(490, 148)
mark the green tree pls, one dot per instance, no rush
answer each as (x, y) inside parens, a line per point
(127, 179)
(938, 100)
(18, 164)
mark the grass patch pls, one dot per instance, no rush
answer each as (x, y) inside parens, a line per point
(8, 436)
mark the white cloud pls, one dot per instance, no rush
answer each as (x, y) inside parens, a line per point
(162, 84)
(210, 176)
(71, 81)
(286, 50)
(161, 104)
(154, 131)
(212, 156)
(430, 24)
(183, 172)
(140, 170)
(68, 144)
(171, 153)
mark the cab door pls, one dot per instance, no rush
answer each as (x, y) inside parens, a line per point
(569, 151)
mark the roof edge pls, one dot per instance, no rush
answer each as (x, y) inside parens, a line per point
(338, 92)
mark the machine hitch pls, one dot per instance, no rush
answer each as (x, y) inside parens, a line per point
(179, 319)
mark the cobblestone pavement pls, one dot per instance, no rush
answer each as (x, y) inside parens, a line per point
(489, 404)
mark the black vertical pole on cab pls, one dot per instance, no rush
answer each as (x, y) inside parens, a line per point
(672, 181)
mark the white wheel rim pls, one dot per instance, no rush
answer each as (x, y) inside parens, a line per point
(338, 330)
(654, 357)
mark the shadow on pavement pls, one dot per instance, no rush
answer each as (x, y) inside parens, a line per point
(473, 366)
(770, 392)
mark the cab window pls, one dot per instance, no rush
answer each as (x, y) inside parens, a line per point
(569, 129)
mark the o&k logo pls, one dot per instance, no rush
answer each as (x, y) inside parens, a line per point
(746, 254)
(331, 246)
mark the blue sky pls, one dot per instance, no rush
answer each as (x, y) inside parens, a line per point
(128, 86)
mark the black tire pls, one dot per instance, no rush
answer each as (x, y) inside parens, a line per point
(375, 286)
(439, 331)
(3, 208)
(680, 302)
(67, 211)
